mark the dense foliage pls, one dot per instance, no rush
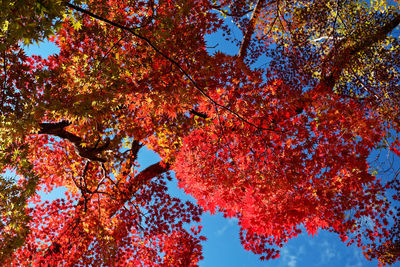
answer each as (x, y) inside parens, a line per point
(277, 131)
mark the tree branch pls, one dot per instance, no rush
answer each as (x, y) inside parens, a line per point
(138, 181)
(199, 114)
(57, 129)
(342, 56)
(133, 153)
(250, 30)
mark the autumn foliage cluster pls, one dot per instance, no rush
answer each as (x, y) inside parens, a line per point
(279, 131)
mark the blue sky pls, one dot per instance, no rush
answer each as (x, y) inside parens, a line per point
(223, 247)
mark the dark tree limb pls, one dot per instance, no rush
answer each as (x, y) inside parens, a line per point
(250, 30)
(57, 129)
(138, 181)
(199, 114)
(133, 154)
(343, 55)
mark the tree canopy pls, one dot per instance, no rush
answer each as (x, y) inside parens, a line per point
(279, 134)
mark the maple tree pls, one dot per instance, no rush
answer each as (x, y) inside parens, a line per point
(283, 146)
